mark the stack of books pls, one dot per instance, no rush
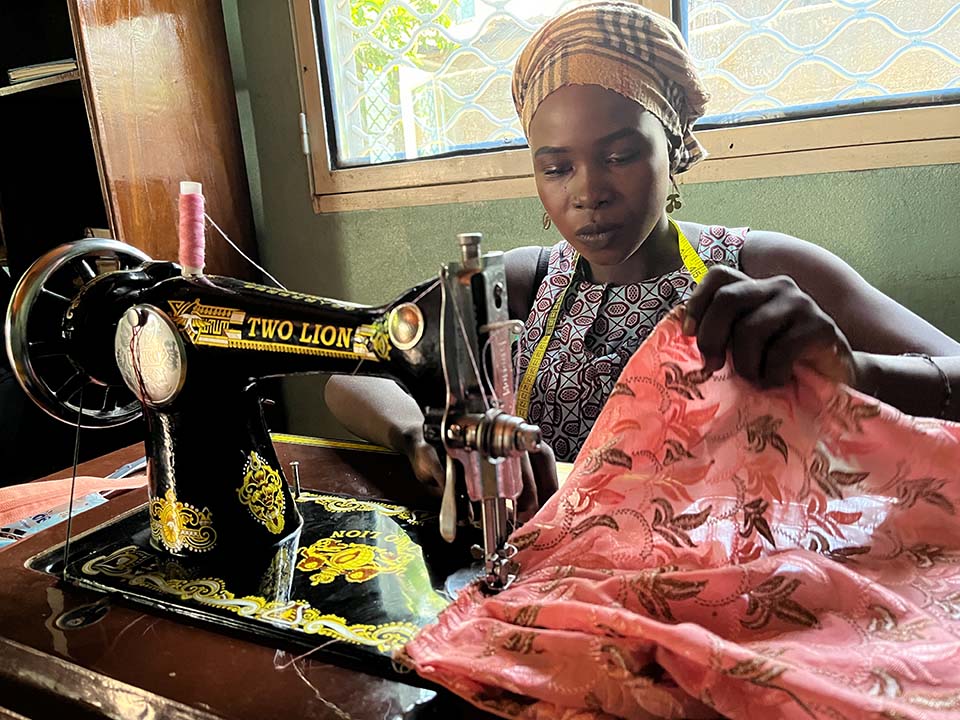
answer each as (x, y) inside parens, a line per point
(40, 70)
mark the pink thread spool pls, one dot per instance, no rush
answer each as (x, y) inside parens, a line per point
(191, 228)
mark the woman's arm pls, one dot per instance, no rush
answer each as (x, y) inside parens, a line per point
(379, 410)
(798, 302)
(521, 269)
(871, 321)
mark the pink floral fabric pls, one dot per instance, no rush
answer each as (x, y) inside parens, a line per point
(722, 551)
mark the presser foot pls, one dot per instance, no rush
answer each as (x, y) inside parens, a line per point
(499, 567)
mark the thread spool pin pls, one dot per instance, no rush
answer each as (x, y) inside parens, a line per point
(295, 466)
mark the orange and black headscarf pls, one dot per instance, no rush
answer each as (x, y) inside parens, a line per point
(623, 47)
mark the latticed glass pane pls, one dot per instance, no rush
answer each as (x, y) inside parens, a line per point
(420, 78)
(766, 57)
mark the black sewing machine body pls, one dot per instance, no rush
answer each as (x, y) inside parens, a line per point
(193, 350)
(136, 336)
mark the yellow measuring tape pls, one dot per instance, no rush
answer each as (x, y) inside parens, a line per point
(691, 260)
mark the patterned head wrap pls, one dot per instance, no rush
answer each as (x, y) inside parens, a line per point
(623, 47)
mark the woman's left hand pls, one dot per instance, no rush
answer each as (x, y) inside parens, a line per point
(767, 326)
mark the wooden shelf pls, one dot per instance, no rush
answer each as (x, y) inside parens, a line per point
(40, 82)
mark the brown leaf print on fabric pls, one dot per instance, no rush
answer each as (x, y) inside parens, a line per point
(560, 574)
(526, 540)
(884, 624)
(819, 544)
(527, 615)
(607, 454)
(770, 599)
(592, 522)
(622, 388)
(885, 684)
(592, 703)
(684, 383)
(850, 413)
(883, 619)
(504, 702)
(521, 642)
(675, 452)
(674, 528)
(753, 520)
(926, 556)
(620, 663)
(653, 590)
(762, 672)
(762, 431)
(831, 481)
(609, 631)
(927, 490)
(950, 604)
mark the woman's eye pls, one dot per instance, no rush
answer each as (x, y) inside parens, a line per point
(621, 158)
(554, 170)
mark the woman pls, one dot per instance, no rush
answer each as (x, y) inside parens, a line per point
(607, 95)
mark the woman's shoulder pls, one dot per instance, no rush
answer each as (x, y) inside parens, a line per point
(717, 244)
(707, 234)
(526, 268)
(760, 252)
(767, 253)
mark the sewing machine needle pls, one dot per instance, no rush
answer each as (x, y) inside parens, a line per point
(448, 507)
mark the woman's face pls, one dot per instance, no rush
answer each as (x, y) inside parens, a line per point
(602, 170)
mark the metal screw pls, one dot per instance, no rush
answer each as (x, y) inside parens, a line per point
(498, 295)
(135, 317)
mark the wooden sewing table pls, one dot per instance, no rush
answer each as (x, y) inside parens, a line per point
(131, 663)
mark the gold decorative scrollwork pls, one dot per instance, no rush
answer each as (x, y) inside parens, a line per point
(262, 493)
(179, 526)
(372, 341)
(132, 564)
(334, 504)
(330, 558)
(207, 324)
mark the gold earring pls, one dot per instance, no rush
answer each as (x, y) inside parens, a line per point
(673, 199)
(547, 222)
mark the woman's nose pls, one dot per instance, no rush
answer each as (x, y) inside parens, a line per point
(589, 190)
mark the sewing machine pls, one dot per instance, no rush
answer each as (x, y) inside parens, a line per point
(98, 333)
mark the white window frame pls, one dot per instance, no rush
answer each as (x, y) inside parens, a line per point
(856, 141)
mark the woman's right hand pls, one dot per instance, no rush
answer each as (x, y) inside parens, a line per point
(539, 472)
(539, 481)
(424, 461)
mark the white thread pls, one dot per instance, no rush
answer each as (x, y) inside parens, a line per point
(243, 254)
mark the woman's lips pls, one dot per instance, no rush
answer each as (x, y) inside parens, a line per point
(597, 233)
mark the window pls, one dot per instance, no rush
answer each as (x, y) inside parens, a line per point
(403, 95)
(422, 79)
(764, 59)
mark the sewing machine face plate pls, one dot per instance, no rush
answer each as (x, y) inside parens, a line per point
(359, 581)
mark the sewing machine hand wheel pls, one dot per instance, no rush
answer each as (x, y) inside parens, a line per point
(36, 346)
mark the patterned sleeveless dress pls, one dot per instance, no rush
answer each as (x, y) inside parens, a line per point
(599, 328)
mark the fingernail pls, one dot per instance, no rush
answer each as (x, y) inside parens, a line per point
(689, 325)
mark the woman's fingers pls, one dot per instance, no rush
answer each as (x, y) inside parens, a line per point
(544, 465)
(766, 326)
(427, 468)
(539, 471)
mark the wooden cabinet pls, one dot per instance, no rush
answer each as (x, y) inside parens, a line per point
(150, 104)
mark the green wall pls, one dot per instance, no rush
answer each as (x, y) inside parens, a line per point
(896, 226)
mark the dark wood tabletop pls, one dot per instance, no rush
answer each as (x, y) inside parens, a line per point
(131, 663)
